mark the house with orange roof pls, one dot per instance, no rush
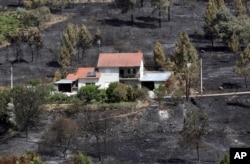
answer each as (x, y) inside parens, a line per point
(114, 67)
(122, 67)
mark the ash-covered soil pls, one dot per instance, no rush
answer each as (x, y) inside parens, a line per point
(152, 135)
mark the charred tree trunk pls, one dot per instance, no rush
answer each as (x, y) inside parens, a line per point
(212, 40)
(198, 151)
(245, 81)
(132, 18)
(141, 3)
(169, 13)
(159, 19)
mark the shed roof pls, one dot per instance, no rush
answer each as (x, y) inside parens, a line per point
(82, 73)
(155, 76)
(120, 59)
(64, 81)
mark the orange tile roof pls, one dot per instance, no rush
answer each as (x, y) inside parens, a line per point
(81, 73)
(120, 59)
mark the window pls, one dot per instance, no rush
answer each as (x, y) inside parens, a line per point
(90, 83)
(134, 71)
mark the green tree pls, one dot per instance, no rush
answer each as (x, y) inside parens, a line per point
(65, 58)
(242, 67)
(9, 23)
(27, 103)
(234, 43)
(85, 39)
(33, 4)
(162, 6)
(225, 160)
(240, 8)
(69, 39)
(159, 55)
(4, 100)
(98, 35)
(185, 60)
(57, 76)
(211, 12)
(34, 40)
(194, 128)
(16, 40)
(221, 23)
(220, 3)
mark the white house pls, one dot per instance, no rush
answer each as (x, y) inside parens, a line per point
(114, 67)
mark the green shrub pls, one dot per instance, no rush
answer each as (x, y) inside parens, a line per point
(89, 93)
(81, 158)
(35, 81)
(4, 100)
(225, 160)
(117, 92)
(62, 98)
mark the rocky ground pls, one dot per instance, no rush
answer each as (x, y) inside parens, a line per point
(152, 135)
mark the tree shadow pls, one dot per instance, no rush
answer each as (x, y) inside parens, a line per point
(147, 19)
(19, 61)
(118, 23)
(229, 85)
(221, 48)
(15, 5)
(54, 64)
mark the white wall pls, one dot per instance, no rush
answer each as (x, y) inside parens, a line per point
(141, 69)
(108, 75)
(82, 82)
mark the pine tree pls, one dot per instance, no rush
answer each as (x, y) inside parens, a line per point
(159, 56)
(242, 67)
(211, 12)
(194, 128)
(65, 58)
(240, 8)
(131, 5)
(234, 43)
(58, 75)
(220, 3)
(162, 6)
(85, 39)
(98, 35)
(69, 39)
(186, 61)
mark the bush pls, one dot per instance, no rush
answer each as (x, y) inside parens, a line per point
(81, 158)
(117, 92)
(35, 81)
(142, 94)
(90, 93)
(62, 98)
(29, 157)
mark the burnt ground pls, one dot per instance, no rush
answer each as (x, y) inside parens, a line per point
(147, 137)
